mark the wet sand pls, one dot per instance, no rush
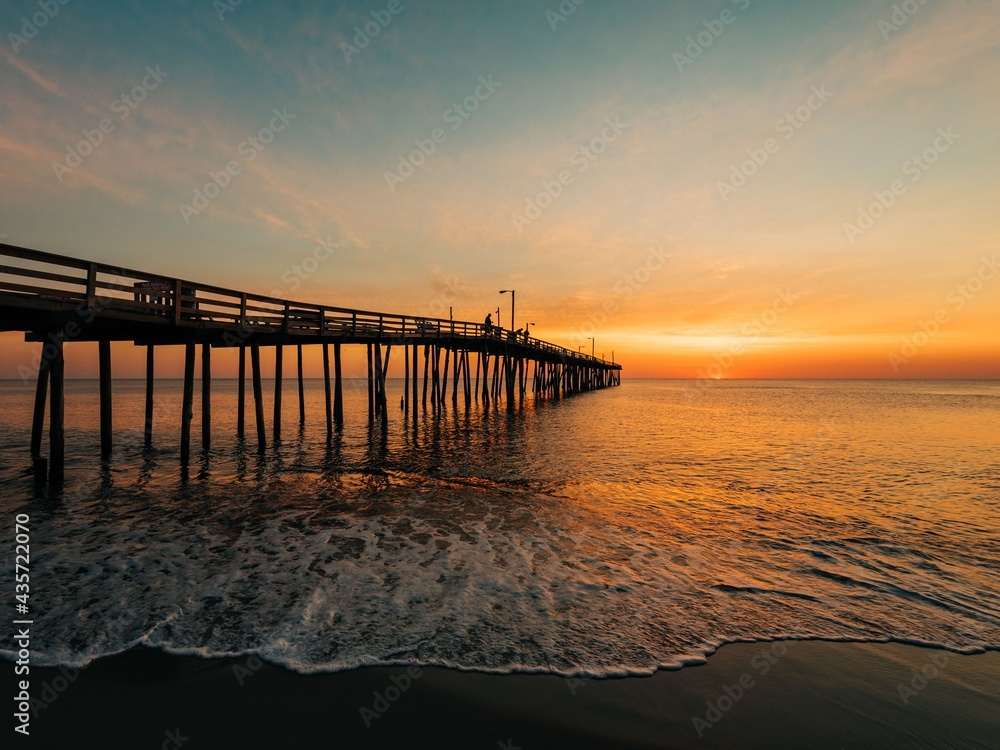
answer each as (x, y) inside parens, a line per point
(760, 695)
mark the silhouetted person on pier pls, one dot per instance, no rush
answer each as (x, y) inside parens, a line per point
(488, 323)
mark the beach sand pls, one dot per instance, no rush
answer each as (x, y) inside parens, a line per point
(783, 694)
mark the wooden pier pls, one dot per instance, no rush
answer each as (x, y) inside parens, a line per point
(56, 299)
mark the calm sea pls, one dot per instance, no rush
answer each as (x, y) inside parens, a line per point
(609, 533)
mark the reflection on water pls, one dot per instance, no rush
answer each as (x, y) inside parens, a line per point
(611, 532)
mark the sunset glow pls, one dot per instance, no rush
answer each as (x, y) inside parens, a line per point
(739, 190)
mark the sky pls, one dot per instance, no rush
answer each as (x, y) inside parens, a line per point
(723, 189)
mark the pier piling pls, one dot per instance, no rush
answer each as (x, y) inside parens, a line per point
(149, 309)
(104, 355)
(241, 394)
(38, 416)
(186, 403)
(338, 387)
(206, 397)
(57, 433)
(147, 430)
(278, 349)
(302, 393)
(258, 397)
(326, 390)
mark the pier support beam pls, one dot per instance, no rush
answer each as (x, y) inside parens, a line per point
(338, 387)
(371, 387)
(241, 395)
(38, 417)
(479, 366)
(427, 354)
(378, 380)
(326, 389)
(302, 393)
(206, 396)
(443, 382)
(258, 397)
(57, 434)
(278, 356)
(147, 430)
(414, 381)
(187, 399)
(381, 368)
(104, 356)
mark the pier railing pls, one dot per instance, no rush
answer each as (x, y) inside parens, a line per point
(41, 279)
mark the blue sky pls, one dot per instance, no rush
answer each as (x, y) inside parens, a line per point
(449, 225)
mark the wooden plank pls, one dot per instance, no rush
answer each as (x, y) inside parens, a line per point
(91, 289)
(31, 273)
(177, 302)
(40, 291)
(13, 251)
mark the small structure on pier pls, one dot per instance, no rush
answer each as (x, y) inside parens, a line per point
(57, 299)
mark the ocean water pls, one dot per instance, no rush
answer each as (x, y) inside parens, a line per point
(610, 533)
